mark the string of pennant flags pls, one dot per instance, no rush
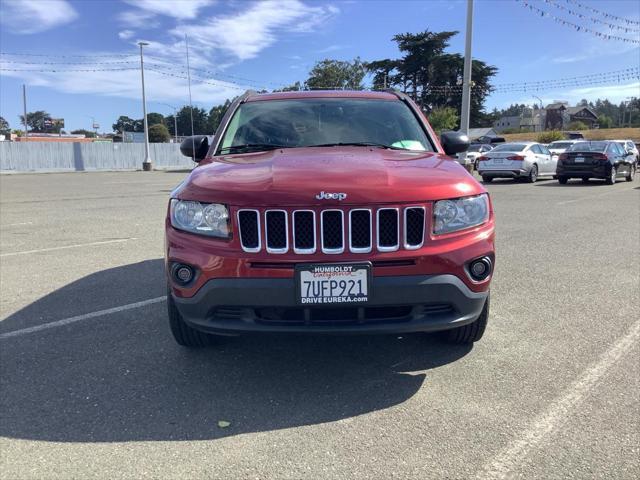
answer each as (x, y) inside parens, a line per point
(578, 28)
(628, 28)
(604, 14)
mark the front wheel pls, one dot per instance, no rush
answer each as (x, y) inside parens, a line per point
(611, 180)
(486, 179)
(563, 180)
(632, 173)
(182, 333)
(533, 174)
(473, 331)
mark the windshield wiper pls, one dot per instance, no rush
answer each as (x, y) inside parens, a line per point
(247, 147)
(358, 144)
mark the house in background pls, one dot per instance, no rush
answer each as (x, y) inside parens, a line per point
(530, 120)
(560, 115)
(557, 116)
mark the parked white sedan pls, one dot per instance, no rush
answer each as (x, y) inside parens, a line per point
(560, 146)
(475, 151)
(528, 160)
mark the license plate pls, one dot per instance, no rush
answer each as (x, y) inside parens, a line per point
(337, 283)
(579, 159)
(497, 160)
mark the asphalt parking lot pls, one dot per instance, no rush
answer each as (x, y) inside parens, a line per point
(93, 385)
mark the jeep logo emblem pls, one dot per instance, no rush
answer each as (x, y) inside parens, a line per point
(331, 196)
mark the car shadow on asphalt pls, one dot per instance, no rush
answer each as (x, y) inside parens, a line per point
(574, 183)
(121, 377)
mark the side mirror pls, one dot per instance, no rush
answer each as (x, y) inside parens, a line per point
(195, 147)
(454, 142)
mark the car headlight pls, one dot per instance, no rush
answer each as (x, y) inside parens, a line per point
(210, 219)
(458, 214)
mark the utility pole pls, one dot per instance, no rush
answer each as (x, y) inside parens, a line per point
(24, 108)
(466, 76)
(146, 164)
(540, 113)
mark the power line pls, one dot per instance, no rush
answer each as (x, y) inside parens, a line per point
(627, 29)
(68, 70)
(578, 28)
(22, 62)
(13, 54)
(600, 12)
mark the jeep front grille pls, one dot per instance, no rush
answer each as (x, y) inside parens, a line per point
(332, 231)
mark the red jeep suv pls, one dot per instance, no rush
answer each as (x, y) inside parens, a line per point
(327, 212)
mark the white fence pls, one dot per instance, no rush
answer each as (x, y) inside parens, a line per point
(79, 157)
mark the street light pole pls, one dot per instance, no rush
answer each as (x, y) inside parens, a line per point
(24, 107)
(146, 164)
(175, 118)
(466, 76)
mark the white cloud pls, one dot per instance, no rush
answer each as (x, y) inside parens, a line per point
(246, 33)
(183, 10)
(138, 19)
(126, 34)
(615, 93)
(332, 48)
(35, 16)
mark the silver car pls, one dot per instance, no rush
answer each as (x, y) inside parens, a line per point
(528, 160)
(560, 146)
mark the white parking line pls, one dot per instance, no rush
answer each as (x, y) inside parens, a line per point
(77, 245)
(508, 459)
(16, 224)
(78, 318)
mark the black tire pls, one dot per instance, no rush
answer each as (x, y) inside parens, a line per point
(182, 333)
(486, 179)
(585, 180)
(632, 173)
(563, 180)
(611, 179)
(471, 332)
(533, 174)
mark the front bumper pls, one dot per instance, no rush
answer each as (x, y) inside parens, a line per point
(397, 304)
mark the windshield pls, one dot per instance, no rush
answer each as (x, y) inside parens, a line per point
(510, 147)
(474, 148)
(311, 122)
(589, 147)
(560, 145)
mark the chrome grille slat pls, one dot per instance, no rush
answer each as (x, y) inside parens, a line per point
(388, 229)
(360, 231)
(276, 222)
(334, 236)
(414, 227)
(304, 239)
(251, 228)
(332, 231)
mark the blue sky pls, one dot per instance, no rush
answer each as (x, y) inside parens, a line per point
(271, 43)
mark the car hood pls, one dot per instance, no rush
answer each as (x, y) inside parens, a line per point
(294, 177)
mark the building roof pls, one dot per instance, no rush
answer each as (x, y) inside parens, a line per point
(481, 132)
(574, 110)
(555, 106)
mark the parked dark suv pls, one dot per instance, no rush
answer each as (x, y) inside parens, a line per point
(604, 160)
